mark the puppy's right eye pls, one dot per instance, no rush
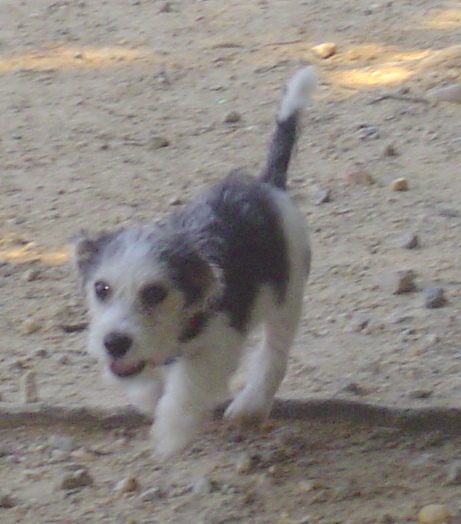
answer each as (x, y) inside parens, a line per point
(152, 295)
(102, 290)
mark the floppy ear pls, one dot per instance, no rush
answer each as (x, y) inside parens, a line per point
(87, 251)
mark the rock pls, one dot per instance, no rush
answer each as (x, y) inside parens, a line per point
(30, 275)
(28, 388)
(40, 353)
(29, 326)
(75, 479)
(175, 201)
(157, 142)
(354, 388)
(322, 196)
(398, 282)
(62, 359)
(358, 177)
(127, 485)
(248, 463)
(449, 213)
(325, 50)
(204, 486)
(152, 495)
(166, 8)
(359, 323)
(232, 117)
(84, 455)
(450, 93)
(434, 297)
(434, 514)
(399, 184)
(390, 150)
(409, 241)
(420, 393)
(61, 442)
(6, 501)
(454, 474)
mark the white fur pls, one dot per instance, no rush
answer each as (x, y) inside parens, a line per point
(298, 92)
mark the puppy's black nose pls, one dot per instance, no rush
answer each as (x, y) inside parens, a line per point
(117, 344)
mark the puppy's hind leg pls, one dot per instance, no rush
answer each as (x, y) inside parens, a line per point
(268, 364)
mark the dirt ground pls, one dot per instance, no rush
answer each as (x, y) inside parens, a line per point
(89, 93)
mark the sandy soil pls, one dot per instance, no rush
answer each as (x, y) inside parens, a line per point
(88, 92)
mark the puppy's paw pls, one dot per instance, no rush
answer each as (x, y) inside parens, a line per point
(247, 410)
(173, 434)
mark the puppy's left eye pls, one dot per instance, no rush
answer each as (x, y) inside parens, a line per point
(153, 295)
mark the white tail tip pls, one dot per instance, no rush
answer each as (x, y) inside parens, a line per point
(298, 92)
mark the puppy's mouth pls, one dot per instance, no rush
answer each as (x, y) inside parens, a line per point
(127, 369)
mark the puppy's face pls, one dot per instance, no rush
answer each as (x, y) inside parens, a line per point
(147, 291)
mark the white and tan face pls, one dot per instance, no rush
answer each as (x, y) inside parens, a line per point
(141, 297)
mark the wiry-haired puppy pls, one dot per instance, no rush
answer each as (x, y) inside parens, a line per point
(171, 304)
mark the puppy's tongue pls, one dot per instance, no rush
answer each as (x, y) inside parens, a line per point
(126, 369)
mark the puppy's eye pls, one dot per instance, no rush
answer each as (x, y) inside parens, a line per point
(102, 290)
(153, 295)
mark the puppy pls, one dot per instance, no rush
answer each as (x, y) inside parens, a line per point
(171, 304)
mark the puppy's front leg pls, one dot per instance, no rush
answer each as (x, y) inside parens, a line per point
(194, 386)
(182, 410)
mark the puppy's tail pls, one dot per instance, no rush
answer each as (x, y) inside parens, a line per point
(297, 93)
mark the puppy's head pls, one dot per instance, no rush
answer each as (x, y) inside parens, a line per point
(149, 291)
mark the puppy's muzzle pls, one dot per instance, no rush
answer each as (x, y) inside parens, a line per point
(117, 346)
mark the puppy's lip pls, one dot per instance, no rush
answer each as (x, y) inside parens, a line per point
(124, 369)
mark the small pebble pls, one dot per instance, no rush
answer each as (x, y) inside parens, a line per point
(434, 514)
(84, 454)
(434, 297)
(454, 474)
(420, 393)
(409, 241)
(247, 464)
(127, 485)
(59, 455)
(204, 486)
(28, 388)
(322, 196)
(358, 177)
(250, 497)
(449, 213)
(61, 442)
(157, 142)
(175, 201)
(166, 8)
(6, 501)
(152, 495)
(354, 388)
(232, 117)
(390, 150)
(29, 326)
(398, 282)
(40, 353)
(31, 275)
(399, 184)
(63, 359)
(359, 323)
(445, 94)
(325, 50)
(75, 479)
